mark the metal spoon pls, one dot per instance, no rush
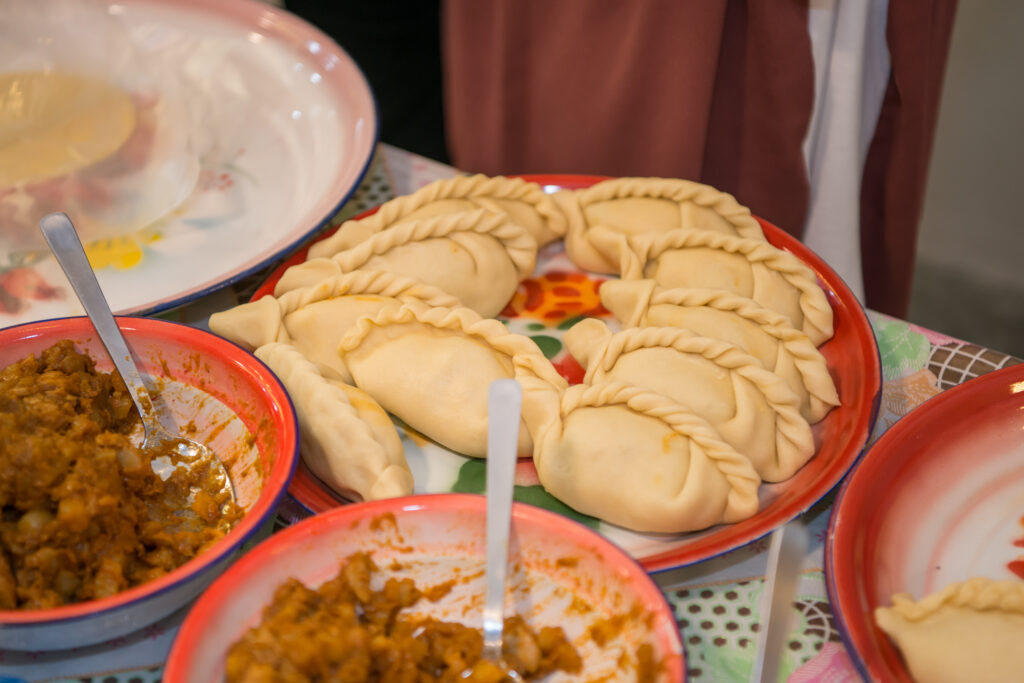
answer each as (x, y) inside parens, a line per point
(504, 405)
(60, 234)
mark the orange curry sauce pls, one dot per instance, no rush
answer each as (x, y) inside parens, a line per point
(82, 514)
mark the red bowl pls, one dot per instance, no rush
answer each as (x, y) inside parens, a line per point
(192, 367)
(555, 564)
(853, 360)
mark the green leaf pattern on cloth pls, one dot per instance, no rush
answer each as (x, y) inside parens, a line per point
(719, 625)
(473, 479)
(903, 351)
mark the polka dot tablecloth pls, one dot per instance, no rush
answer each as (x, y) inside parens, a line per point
(716, 602)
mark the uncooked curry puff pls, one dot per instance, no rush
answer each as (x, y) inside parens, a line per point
(432, 366)
(347, 438)
(524, 202)
(314, 318)
(637, 459)
(969, 631)
(600, 216)
(720, 314)
(708, 391)
(479, 257)
(753, 409)
(774, 278)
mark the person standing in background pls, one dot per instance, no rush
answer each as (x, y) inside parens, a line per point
(817, 114)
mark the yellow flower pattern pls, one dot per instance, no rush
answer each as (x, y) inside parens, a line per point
(122, 253)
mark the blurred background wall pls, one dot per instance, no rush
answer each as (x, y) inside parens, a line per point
(969, 275)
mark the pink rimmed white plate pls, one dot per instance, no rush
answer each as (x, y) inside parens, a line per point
(548, 302)
(284, 126)
(938, 499)
(560, 574)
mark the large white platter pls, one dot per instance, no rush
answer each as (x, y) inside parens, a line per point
(295, 125)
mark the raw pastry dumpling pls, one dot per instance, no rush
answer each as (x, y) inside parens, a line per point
(968, 632)
(347, 438)
(431, 367)
(314, 318)
(525, 202)
(636, 458)
(752, 408)
(764, 334)
(617, 207)
(479, 257)
(774, 278)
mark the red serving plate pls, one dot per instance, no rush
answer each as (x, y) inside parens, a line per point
(852, 356)
(936, 500)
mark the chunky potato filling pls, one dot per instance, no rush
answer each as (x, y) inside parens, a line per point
(82, 514)
(347, 631)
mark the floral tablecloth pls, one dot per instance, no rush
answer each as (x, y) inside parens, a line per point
(716, 602)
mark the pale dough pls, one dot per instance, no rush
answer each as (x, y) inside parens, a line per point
(969, 632)
(774, 278)
(432, 366)
(479, 257)
(766, 335)
(524, 202)
(53, 124)
(314, 318)
(347, 439)
(624, 207)
(637, 459)
(753, 410)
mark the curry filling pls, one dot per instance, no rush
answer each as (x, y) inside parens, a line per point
(82, 514)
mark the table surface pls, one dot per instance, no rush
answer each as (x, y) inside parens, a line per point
(716, 602)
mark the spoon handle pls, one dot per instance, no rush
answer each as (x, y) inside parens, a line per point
(60, 234)
(504, 405)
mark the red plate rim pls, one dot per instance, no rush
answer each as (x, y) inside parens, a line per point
(861, 409)
(849, 591)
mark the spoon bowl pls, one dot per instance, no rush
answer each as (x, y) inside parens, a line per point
(205, 472)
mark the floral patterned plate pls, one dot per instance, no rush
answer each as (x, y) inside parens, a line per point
(288, 128)
(551, 301)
